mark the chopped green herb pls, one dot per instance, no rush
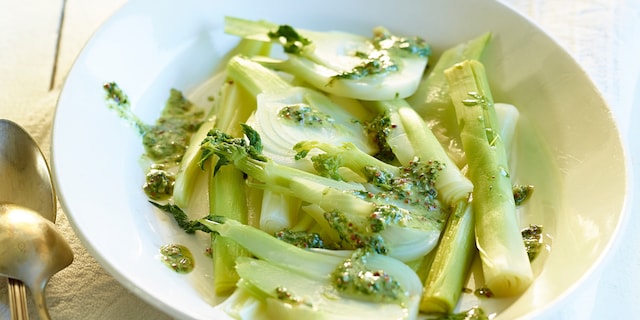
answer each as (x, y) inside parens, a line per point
(159, 184)
(356, 235)
(290, 39)
(303, 115)
(376, 63)
(167, 140)
(384, 40)
(118, 101)
(533, 240)
(300, 239)
(378, 130)
(177, 257)
(189, 226)
(522, 193)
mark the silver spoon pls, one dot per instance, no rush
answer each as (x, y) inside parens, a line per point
(31, 248)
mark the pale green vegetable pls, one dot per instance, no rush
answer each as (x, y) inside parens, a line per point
(188, 171)
(378, 68)
(242, 304)
(433, 93)
(297, 114)
(507, 116)
(452, 259)
(410, 137)
(319, 284)
(226, 190)
(228, 199)
(278, 211)
(450, 266)
(258, 80)
(456, 249)
(346, 155)
(505, 264)
(432, 101)
(227, 194)
(362, 218)
(285, 115)
(408, 187)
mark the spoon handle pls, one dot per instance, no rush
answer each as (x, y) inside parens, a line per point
(38, 296)
(17, 299)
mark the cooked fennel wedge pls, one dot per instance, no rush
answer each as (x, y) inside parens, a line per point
(381, 67)
(297, 283)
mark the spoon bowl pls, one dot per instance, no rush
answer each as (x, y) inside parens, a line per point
(24, 173)
(32, 250)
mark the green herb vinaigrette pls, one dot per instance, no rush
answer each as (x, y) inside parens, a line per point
(167, 140)
(521, 193)
(533, 240)
(291, 40)
(303, 115)
(351, 234)
(379, 59)
(164, 143)
(301, 239)
(177, 257)
(283, 294)
(354, 279)
(159, 183)
(414, 185)
(118, 101)
(378, 130)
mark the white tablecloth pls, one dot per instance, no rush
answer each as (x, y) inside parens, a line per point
(603, 36)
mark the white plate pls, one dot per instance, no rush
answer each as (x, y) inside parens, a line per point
(148, 47)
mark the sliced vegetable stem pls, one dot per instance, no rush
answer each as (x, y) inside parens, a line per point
(452, 261)
(188, 171)
(254, 77)
(505, 264)
(227, 199)
(433, 92)
(227, 194)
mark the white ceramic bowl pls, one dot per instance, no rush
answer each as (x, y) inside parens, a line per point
(572, 152)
